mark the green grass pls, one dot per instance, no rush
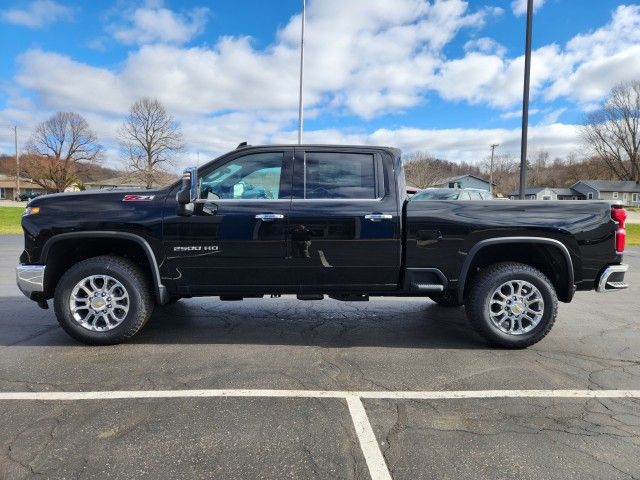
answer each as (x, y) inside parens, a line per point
(10, 220)
(633, 234)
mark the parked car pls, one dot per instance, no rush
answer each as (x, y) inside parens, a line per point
(312, 220)
(452, 194)
(26, 196)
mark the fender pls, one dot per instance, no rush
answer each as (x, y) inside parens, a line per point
(494, 241)
(159, 289)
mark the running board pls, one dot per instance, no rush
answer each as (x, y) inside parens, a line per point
(427, 287)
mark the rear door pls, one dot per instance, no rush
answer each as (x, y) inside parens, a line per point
(344, 224)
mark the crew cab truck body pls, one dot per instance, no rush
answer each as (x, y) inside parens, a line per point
(312, 220)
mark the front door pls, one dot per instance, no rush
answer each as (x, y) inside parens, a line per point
(344, 221)
(235, 240)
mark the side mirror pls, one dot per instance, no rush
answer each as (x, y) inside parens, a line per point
(188, 192)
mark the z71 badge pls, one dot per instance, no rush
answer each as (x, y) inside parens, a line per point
(138, 198)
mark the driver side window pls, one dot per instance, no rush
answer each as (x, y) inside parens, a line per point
(254, 176)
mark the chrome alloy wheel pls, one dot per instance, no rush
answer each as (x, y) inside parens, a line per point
(516, 307)
(99, 303)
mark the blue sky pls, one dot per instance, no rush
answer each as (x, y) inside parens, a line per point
(439, 76)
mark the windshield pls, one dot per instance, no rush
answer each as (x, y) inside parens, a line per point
(436, 195)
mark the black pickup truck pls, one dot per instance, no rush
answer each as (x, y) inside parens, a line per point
(312, 220)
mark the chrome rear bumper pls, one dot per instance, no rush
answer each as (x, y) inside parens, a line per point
(612, 278)
(30, 279)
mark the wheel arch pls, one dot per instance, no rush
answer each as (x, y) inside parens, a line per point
(145, 253)
(563, 281)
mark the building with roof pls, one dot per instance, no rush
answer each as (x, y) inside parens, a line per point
(627, 192)
(463, 181)
(8, 187)
(548, 193)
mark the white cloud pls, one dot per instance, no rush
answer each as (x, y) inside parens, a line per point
(37, 14)
(596, 61)
(553, 116)
(485, 45)
(585, 69)
(156, 24)
(379, 58)
(519, 7)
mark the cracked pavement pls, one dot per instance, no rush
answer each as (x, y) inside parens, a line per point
(384, 344)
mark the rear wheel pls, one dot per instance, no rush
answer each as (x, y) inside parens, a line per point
(103, 300)
(512, 305)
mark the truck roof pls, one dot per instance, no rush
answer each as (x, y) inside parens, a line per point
(396, 152)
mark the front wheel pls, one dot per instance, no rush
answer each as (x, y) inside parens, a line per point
(512, 305)
(103, 300)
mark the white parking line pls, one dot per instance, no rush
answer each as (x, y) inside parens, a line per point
(368, 443)
(375, 460)
(389, 395)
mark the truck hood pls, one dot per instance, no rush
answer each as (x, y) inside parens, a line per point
(96, 197)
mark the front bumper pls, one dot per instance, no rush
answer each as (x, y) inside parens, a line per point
(612, 278)
(30, 279)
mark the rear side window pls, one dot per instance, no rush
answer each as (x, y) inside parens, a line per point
(339, 175)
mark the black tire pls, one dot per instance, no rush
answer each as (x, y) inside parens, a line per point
(482, 289)
(129, 275)
(448, 299)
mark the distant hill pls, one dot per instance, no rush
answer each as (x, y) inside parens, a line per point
(90, 173)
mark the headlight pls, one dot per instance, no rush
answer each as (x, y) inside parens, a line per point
(31, 211)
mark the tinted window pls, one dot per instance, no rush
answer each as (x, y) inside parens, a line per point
(437, 195)
(255, 176)
(339, 175)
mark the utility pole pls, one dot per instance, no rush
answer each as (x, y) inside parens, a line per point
(493, 147)
(15, 136)
(525, 101)
(300, 107)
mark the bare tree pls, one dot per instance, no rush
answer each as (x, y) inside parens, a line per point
(58, 149)
(423, 169)
(613, 132)
(149, 138)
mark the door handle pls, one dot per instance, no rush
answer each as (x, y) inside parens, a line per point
(377, 217)
(269, 217)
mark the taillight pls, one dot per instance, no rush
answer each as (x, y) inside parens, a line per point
(619, 215)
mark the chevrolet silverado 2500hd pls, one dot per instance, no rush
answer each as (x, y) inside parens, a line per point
(312, 220)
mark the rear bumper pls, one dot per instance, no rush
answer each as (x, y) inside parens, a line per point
(30, 279)
(612, 278)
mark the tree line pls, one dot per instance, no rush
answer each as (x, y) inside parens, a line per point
(611, 151)
(64, 148)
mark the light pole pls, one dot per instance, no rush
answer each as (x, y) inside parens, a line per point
(493, 147)
(525, 101)
(300, 107)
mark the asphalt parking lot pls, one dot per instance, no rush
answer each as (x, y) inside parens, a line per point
(284, 345)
